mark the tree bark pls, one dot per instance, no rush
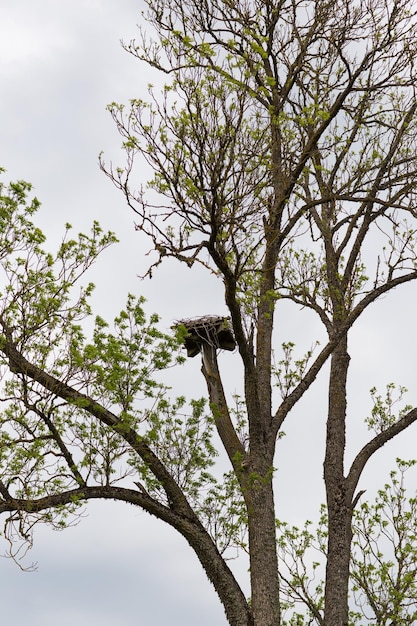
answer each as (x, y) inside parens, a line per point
(227, 433)
(255, 472)
(339, 504)
(263, 550)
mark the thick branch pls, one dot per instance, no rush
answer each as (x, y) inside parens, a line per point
(306, 381)
(315, 368)
(236, 606)
(232, 444)
(139, 498)
(374, 445)
(19, 364)
(179, 514)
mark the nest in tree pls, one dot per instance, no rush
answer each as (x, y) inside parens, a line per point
(213, 330)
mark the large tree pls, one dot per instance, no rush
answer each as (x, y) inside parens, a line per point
(284, 149)
(284, 146)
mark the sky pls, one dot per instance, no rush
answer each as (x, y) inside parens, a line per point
(61, 63)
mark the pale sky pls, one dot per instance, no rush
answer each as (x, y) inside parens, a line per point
(61, 63)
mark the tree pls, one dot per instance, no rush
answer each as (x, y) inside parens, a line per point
(284, 146)
(383, 571)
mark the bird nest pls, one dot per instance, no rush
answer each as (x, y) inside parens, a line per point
(211, 330)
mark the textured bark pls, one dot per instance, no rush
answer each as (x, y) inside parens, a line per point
(263, 553)
(236, 607)
(224, 425)
(336, 161)
(254, 471)
(339, 503)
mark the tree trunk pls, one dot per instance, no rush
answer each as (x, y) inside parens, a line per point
(339, 504)
(338, 558)
(255, 474)
(263, 548)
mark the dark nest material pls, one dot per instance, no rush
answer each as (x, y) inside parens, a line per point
(213, 330)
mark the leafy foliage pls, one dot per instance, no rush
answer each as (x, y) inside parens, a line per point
(383, 578)
(383, 415)
(48, 446)
(384, 573)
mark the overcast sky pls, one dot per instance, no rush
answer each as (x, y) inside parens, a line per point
(61, 63)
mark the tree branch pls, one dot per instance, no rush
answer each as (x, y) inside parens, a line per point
(233, 446)
(374, 445)
(179, 514)
(19, 364)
